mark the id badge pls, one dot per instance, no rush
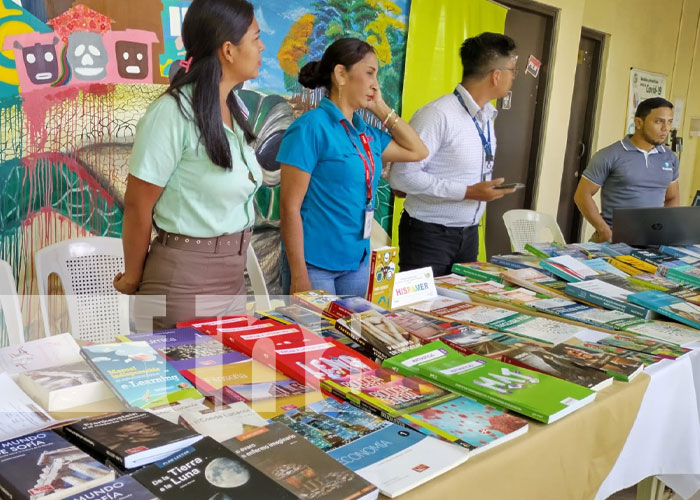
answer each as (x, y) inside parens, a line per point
(369, 217)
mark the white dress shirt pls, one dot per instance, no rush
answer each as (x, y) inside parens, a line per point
(435, 187)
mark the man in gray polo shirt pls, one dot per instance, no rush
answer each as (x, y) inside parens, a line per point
(636, 172)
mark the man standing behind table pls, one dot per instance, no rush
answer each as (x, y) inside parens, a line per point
(446, 193)
(636, 172)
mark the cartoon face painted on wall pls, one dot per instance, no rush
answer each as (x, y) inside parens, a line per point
(132, 59)
(40, 61)
(130, 56)
(87, 56)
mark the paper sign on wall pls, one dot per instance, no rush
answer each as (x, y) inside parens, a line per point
(533, 66)
(643, 85)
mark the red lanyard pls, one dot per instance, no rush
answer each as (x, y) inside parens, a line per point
(369, 168)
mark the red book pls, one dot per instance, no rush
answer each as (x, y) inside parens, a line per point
(223, 320)
(298, 353)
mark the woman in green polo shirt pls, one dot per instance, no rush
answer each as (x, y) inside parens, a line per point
(193, 173)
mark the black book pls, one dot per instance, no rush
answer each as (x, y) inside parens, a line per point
(122, 488)
(44, 465)
(297, 465)
(132, 439)
(208, 470)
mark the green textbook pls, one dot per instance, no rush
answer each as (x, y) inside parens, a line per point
(524, 391)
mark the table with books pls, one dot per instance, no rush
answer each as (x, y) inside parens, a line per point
(384, 429)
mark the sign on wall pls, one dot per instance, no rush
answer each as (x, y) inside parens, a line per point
(643, 85)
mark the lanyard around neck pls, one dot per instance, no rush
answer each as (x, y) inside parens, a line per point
(368, 163)
(486, 143)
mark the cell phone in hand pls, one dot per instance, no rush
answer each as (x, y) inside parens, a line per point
(512, 185)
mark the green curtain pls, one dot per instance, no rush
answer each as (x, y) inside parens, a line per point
(436, 30)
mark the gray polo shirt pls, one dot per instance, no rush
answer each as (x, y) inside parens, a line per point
(630, 177)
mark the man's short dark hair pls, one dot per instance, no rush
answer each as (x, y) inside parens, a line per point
(481, 53)
(648, 105)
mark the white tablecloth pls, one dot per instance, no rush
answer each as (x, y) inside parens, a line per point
(665, 438)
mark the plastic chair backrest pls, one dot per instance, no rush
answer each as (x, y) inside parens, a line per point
(257, 280)
(9, 305)
(530, 226)
(86, 268)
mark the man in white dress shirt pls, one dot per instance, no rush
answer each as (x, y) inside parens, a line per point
(446, 193)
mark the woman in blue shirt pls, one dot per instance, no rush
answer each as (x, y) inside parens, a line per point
(331, 162)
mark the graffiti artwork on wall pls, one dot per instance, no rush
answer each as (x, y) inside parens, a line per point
(72, 90)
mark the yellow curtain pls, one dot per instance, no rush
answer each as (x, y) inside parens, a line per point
(436, 30)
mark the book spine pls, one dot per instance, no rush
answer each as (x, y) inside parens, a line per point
(679, 276)
(559, 271)
(8, 489)
(475, 273)
(92, 447)
(367, 348)
(510, 264)
(537, 252)
(372, 276)
(607, 302)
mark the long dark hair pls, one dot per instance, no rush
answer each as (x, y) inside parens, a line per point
(208, 24)
(345, 51)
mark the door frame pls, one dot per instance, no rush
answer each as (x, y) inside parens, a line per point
(543, 92)
(591, 122)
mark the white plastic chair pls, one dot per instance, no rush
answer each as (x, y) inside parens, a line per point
(257, 280)
(9, 305)
(530, 226)
(86, 268)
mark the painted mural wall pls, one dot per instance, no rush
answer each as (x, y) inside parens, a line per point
(76, 77)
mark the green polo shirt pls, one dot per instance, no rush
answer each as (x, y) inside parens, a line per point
(199, 198)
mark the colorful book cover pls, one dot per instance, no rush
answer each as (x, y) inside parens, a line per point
(568, 268)
(422, 327)
(653, 282)
(316, 300)
(268, 391)
(668, 305)
(383, 266)
(545, 361)
(123, 488)
(541, 250)
(635, 263)
(524, 391)
(394, 458)
(616, 366)
(379, 336)
(616, 249)
(298, 466)
(354, 305)
(640, 343)
(222, 422)
(207, 469)
(138, 375)
(222, 321)
(296, 352)
(690, 294)
(517, 261)
(130, 439)
(389, 391)
(540, 329)
(628, 354)
(483, 271)
(532, 279)
(480, 426)
(687, 275)
(666, 331)
(187, 348)
(606, 295)
(44, 464)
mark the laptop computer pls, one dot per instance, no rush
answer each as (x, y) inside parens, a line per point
(657, 226)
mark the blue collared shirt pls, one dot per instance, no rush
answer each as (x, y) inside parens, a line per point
(334, 206)
(630, 177)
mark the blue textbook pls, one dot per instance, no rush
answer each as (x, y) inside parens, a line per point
(138, 375)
